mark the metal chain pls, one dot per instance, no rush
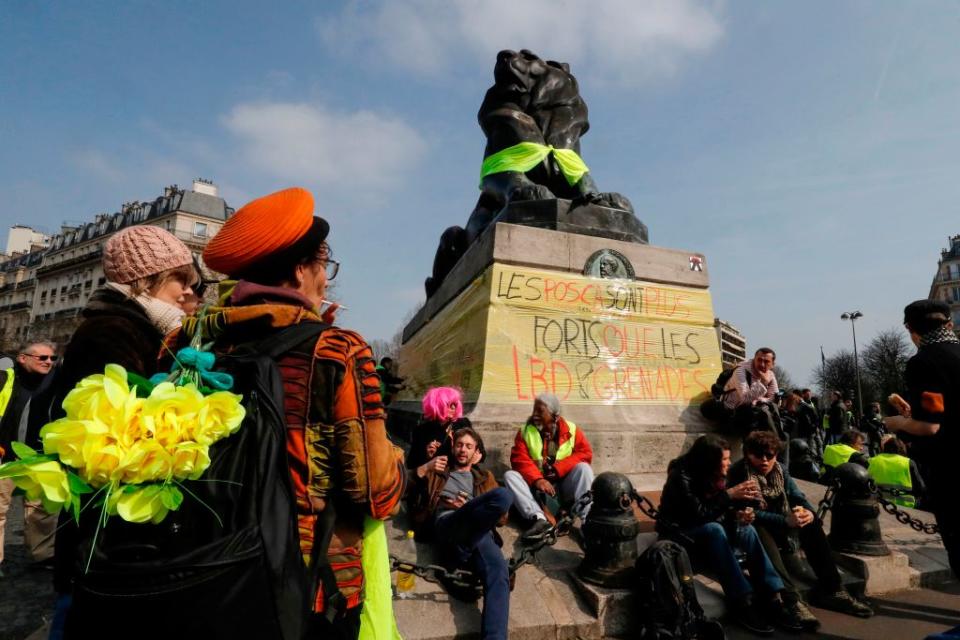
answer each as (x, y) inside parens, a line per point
(523, 554)
(435, 573)
(646, 505)
(526, 552)
(827, 503)
(902, 516)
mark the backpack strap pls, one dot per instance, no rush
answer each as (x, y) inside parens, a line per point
(335, 603)
(282, 341)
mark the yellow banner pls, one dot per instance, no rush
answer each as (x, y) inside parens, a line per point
(449, 350)
(597, 341)
(516, 332)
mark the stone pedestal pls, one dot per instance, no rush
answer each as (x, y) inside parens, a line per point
(630, 358)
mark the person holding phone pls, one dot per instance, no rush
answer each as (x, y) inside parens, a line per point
(463, 506)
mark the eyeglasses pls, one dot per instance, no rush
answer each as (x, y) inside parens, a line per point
(332, 267)
(766, 455)
(41, 358)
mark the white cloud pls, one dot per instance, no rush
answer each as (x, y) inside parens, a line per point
(314, 145)
(621, 41)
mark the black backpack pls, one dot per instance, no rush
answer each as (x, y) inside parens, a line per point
(713, 408)
(228, 563)
(666, 596)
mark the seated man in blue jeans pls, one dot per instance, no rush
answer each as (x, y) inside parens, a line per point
(464, 506)
(700, 512)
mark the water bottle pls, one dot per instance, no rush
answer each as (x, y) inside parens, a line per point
(407, 581)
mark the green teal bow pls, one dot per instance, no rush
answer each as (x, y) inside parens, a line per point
(201, 362)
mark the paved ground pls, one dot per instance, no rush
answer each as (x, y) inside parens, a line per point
(26, 594)
(904, 615)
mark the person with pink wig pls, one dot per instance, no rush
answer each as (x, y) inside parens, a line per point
(433, 437)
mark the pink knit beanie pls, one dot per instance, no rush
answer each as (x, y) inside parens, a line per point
(140, 251)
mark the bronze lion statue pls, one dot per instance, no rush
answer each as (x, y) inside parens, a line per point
(533, 117)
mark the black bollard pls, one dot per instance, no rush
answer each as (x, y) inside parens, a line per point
(854, 518)
(610, 533)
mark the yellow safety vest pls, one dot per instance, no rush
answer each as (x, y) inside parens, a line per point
(531, 436)
(6, 392)
(893, 470)
(836, 454)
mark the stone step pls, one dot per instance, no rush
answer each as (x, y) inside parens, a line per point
(543, 604)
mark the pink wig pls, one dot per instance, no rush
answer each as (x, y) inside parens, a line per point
(437, 401)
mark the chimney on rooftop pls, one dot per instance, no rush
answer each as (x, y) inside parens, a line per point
(201, 185)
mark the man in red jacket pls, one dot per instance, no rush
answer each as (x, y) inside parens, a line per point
(550, 455)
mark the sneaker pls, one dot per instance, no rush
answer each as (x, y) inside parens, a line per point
(750, 619)
(808, 621)
(786, 616)
(536, 531)
(842, 602)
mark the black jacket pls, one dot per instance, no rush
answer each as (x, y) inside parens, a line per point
(26, 385)
(684, 504)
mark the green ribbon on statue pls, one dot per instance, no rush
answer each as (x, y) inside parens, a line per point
(526, 155)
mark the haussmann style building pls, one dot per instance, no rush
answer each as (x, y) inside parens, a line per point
(43, 291)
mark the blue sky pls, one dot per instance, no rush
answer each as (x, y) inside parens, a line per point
(810, 150)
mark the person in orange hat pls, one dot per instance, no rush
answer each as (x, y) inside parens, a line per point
(276, 253)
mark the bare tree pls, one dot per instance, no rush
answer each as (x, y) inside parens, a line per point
(885, 360)
(391, 347)
(784, 381)
(839, 373)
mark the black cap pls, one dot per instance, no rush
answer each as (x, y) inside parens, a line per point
(925, 312)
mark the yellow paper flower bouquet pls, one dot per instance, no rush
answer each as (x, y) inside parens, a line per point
(128, 441)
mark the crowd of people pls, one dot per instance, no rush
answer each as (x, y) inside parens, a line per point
(346, 475)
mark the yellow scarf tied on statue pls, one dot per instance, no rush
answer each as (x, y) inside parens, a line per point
(526, 155)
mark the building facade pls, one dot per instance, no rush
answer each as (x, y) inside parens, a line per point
(733, 346)
(18, 281)
(24, 239)
(946, 282)
(55, 283)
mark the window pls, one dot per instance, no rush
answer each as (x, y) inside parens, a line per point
(200, 229)
(101, 282)
(956, 294)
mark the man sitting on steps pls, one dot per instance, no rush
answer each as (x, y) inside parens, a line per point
(465, 505)
(549, 454)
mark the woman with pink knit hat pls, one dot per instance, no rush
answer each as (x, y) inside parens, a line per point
(149, 275)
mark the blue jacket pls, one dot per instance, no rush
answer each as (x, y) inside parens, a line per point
(773, 520)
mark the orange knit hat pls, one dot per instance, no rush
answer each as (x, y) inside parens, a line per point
(264, 229)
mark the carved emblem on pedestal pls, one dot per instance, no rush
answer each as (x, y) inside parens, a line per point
(610, 264)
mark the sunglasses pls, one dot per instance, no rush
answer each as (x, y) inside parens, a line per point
(42, 358)
(766, 455)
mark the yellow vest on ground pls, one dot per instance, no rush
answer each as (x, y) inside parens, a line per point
(531, 436)
(893, 470)
(837, 454)
(6, 392)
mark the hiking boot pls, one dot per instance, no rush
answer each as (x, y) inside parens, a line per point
(746, 615)
(808, 621)
(786, 616)
(842, 602)
(536, 531)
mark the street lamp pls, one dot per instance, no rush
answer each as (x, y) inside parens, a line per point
(852, 317)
